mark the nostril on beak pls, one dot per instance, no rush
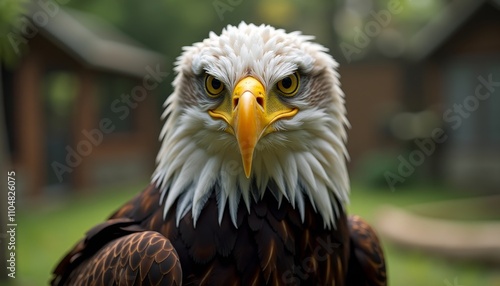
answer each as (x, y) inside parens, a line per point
(235, 102)
(260, 101)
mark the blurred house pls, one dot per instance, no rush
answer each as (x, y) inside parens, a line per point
(457, 64)
(447, 77)
(80, 105)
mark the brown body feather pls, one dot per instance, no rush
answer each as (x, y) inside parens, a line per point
(270, 246)
(367, 262)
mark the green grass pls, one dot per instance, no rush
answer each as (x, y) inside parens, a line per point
(46, 233)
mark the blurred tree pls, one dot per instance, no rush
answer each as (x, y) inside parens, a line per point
(10, 12)
(372, 27)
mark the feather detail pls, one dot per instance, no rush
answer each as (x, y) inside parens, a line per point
(245, 193)
(233, 208)
(184, 204)
(307, 173)
(300, 205)
(221, 205)
(290, 176)
(201, 193)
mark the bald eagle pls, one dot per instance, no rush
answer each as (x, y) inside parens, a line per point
(251, 183)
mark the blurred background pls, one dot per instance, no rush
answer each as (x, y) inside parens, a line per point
(83, 82)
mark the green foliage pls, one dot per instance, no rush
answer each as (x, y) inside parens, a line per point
(10, 12)
(373, 166)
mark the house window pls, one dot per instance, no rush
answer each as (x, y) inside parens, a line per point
(493, 104)
(473, 126)
(113, 102)
(460, 85)
(59, 93)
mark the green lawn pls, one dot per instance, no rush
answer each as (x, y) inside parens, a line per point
(46, 233)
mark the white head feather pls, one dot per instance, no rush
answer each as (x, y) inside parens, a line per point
(303, 160)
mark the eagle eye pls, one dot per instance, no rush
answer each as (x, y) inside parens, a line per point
(213, 86)
(289, 85)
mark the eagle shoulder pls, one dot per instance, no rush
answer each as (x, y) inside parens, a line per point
(122, 251)
(366, 263)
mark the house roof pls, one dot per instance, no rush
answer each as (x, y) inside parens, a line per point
(95, 43)
(438, 30)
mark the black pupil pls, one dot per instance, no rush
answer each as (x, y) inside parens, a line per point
(216, 84)
(286, 82)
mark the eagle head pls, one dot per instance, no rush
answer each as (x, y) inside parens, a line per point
(254, 110)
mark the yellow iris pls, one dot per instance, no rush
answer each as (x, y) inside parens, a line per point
(213, 86)
(289, 85)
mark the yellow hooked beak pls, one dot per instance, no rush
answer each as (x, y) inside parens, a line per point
(250, 111)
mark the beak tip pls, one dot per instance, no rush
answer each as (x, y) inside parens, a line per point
(248, 169)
